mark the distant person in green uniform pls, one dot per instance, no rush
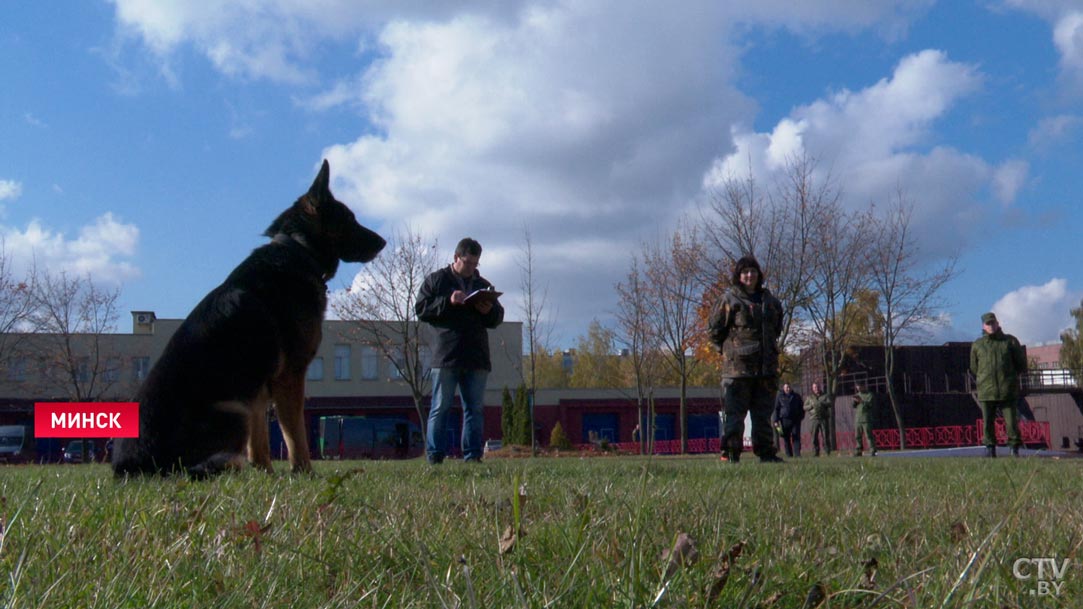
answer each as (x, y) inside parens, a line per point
(819, 408)
(997, 359)
(863, 402)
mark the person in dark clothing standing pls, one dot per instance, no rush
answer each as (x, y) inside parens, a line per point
(460, 356)
(745, 326)
(787, 416)
(997, 359)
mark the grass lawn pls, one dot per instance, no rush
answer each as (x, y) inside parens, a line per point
(568, 532)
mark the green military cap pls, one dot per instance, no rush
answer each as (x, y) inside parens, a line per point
(988, 318)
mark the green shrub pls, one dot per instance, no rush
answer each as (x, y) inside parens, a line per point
(558, 439)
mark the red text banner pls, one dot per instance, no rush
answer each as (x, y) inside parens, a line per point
(86, 420)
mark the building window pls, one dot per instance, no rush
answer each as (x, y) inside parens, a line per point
(112, 370)
(82, 370)
(17, 370)
(370, 363)
(140, 368)
(424, 360)
(315, 369)
(342, 362)
(395, 366)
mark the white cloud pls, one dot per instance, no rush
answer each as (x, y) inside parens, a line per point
(101, 249)
(270, 40)
(588, 122)
(1009, 178)
(1054, 130)
(1066, 19)
(10, 189)
(1068, 37)
(488, 127)
(1037, 313)
(877, 139)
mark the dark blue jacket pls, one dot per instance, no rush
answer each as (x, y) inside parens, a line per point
(788, 408)
(461, 333)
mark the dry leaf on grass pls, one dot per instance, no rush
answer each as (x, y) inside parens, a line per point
(682, 554)
(721, 572)
(507, 540)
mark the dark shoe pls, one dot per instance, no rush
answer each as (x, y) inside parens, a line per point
(771, 459)
(991, 452)
(1015, 451)
(473, 460)
(435, 460)
(873, 453)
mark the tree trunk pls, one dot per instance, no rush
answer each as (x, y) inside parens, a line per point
(684, 413)
(889, 371)
(422, 420)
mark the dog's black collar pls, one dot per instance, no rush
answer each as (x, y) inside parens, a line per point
(323, 267)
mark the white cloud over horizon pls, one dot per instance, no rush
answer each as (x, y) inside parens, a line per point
(1037, 313)
(102, 250)
(876, 140)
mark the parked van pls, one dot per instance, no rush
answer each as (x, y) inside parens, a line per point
(345, 437)
(16, 444)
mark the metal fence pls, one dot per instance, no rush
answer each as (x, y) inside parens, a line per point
(1033, 433)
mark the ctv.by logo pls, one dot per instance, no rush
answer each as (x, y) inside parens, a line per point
(1047, 573)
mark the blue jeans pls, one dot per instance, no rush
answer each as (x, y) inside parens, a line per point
(471, 384)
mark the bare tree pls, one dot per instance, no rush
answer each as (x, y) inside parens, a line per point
(673, 292)
(538, 331)
(636, 333)
(909, 293)
(1071, 348)
(16, 303)
(840, 274)
(73, 319)
(381, 305)
(775, 225)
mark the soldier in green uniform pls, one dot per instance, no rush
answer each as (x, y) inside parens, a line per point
(745, 327)
(863, 402)
(997, 359)
(820, 408)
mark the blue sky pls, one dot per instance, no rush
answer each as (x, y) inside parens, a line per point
(151, 143)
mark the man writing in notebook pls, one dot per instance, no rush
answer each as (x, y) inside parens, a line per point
(460, 348)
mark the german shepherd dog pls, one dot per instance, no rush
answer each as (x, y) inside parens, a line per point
(246, 344)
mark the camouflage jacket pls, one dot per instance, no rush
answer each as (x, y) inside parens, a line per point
(819, 407)
(997, 360)
(746, 332)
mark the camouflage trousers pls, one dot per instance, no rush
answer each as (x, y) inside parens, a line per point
(749, 396)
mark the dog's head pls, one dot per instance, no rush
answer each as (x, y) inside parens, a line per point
(327, 225)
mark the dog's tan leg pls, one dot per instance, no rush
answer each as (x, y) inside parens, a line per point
(289, 398)
(259, 443)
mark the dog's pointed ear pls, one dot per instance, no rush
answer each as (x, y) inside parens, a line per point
(319, 191)
(322, 184)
